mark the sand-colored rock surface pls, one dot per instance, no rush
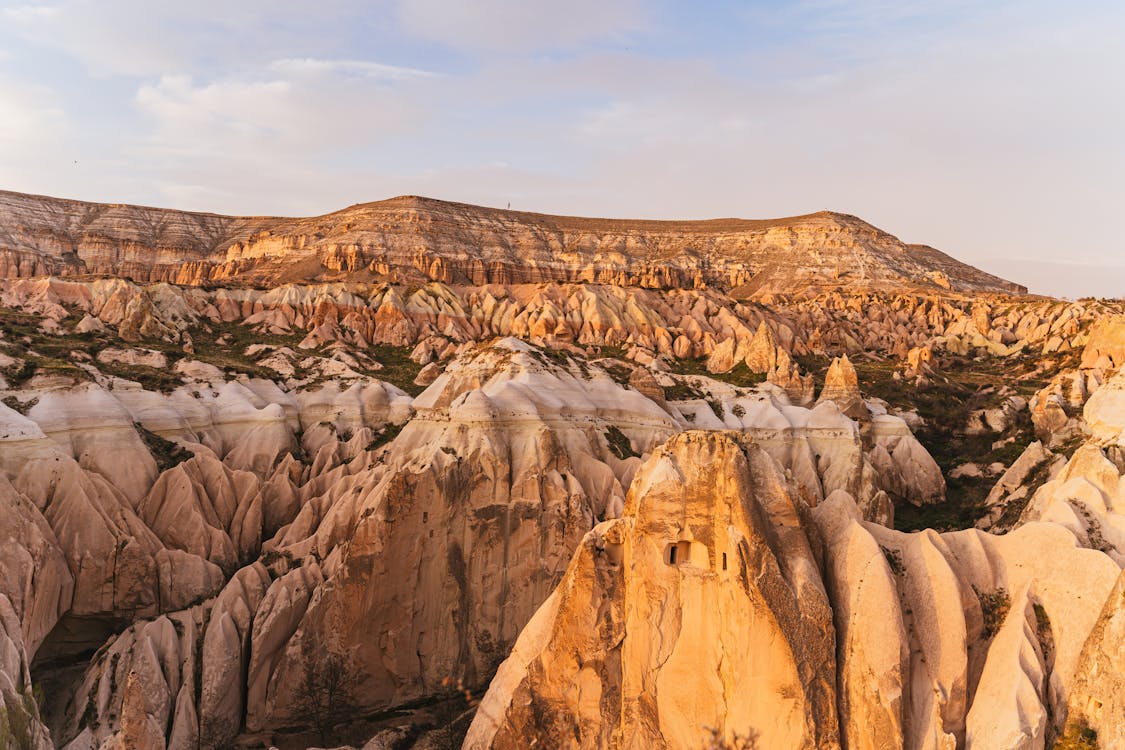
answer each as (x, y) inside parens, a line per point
(700, 607)
(297, 482)
(1097, 699)
(961, 639)
(420, 238)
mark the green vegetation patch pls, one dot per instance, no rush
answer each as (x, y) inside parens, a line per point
(740, 376)
(385, 435)
(228, 355)
(18, 374)
(398, 368)
(619, 372)
(894, 559)
(682, 390)
(19, 719)
(1078, 736)
(23, 407)
(945, 403)
(994, 606)
(150, 378)
(619, 444)
(167, 454)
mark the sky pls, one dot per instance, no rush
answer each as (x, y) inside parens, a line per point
(991, 130)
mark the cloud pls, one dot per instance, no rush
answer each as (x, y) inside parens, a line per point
(32, 117)
(293, 116)
(181, 108)
(984, 130)
(282, 139)
(365, 68)
(145, 39)
(498, 26)
(118, 36)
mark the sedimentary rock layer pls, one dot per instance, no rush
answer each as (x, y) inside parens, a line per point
(411, 239)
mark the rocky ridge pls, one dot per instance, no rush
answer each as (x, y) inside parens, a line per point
(414, 240)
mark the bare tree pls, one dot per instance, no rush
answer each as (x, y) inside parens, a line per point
(19, 721)
(455, 700)
(715, 740)
(322, 694)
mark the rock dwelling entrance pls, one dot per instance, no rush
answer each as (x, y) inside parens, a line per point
(687, 552)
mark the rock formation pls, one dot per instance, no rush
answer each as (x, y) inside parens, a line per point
(413, 239)
(701, 606)
(899, 640)
(300, 482)
(841, 385)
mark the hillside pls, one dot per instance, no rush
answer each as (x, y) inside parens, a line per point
(419, 474)
(414, 240)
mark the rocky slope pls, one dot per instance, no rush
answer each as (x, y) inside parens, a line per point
(733, 605)
(623, 495)
(414, 240)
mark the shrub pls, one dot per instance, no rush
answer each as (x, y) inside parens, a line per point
(23, 407)
(385, 435)
(619, 444)
(894, 559)
(994, 608)
(717, 407)
(166, 453)
(1078, 736)
(19, 720)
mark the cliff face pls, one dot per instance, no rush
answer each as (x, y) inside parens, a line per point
(721, 603)
(700, 607)
(413, 240)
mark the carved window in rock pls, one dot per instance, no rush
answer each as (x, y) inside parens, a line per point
(687, 552)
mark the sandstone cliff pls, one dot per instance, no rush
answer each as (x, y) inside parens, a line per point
(848, 633)
(411, 239)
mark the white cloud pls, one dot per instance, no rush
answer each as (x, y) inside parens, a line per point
(375, 70)
(32, 117)
(315, 113)
(519, 27)
(283, 139)
(30, 13)
(117, 36)
(183, 109)
(142, 38)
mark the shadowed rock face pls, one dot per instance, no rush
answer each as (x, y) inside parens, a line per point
(411, 240)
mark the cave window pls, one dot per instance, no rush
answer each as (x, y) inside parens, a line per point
(724, 561)
(425, 516)
(687, 552)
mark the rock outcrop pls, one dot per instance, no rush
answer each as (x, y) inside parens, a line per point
(700, 607)
(841, 385)
(1097, 699)
(413, 239)
(960, 639)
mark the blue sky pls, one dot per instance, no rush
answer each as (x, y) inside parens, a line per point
(990, 130)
